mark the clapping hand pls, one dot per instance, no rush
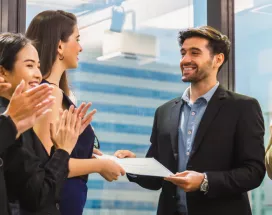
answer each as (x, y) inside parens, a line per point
(26, 107)
(86, 119)
(65, 132)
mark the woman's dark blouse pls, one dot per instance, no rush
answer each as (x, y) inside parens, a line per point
(74, 192)
(8, 133)
(33, 178)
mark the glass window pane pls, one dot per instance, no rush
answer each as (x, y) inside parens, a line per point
(253, 51)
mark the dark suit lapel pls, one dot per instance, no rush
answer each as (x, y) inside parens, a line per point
(174, 124)
(214, 105)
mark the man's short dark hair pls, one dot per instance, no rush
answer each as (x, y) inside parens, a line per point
(218, 42)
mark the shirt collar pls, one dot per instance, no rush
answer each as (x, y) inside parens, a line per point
(207, 96)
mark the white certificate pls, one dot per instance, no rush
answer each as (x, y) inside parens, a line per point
(140, 166)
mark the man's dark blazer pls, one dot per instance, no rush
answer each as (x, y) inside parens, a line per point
(228, 146)
(32, 176)
(8, 133)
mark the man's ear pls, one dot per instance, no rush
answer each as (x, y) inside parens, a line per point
(219, 60)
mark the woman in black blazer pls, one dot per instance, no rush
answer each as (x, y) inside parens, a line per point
(16, 120)
(34, 178)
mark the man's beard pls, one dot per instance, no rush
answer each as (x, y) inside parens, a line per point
(199, 74)
(196, 77)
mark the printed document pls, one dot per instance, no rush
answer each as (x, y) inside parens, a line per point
(140, 166)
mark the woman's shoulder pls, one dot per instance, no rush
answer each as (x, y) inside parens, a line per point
(57, 92)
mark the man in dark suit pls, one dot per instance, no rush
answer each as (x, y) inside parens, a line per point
(211, 136)
(17, 119)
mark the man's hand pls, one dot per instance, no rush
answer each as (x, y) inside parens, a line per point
(3, 85)
(86, 119)
(65, 132)
(124, 154)
(189, 181)
(26, 107)
(97, 152)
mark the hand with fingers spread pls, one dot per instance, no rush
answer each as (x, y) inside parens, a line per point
(3, 85)
(65, 132)
(124, 154)
(86, 119)
(110, 170)
(26, 107)
(189, 181)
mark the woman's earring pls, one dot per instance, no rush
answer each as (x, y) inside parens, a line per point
(61, 57)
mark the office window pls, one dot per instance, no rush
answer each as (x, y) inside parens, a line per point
(129, 66)
(254, 73)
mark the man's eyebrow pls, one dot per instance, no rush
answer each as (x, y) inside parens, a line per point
(192, 49)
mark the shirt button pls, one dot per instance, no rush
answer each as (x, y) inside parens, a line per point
(193, 113)
(187, 153)
(1, 162)
(189, 132)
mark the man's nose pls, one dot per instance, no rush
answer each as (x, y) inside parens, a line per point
(185, 59)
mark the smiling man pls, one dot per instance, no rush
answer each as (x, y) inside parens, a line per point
(212, 137)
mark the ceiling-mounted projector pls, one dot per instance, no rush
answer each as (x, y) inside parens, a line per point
(129, 45)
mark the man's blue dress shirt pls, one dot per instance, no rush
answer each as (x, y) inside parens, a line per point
(190, 117)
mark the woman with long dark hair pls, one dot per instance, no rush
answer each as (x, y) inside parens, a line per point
(57, 41)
